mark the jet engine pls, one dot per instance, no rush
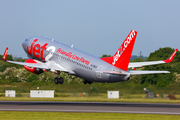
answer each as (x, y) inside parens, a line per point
(33, 69)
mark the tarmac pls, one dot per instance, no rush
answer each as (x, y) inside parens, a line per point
(91, 107)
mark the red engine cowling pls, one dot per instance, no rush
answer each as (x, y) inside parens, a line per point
(33, 69)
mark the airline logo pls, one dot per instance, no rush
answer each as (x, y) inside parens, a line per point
(123, 47)
(129, 38)
(117, 56)
(36, 49)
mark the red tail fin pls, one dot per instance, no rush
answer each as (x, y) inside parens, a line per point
(122, 57)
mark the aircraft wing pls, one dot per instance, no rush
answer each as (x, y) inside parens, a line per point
(50, 65)
(140, 64)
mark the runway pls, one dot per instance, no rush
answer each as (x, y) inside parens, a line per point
(94, 107)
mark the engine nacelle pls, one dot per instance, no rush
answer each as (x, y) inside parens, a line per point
(38, 71)
(33, 69)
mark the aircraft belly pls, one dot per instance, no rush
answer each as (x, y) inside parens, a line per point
(85, 74)
(116, 78)
(105, 78)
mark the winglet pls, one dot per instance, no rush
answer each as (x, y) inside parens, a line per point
(5, 54)
(171, 57)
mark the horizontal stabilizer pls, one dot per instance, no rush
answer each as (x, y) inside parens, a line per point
(114, 72)
(133, 72)
(136, 72)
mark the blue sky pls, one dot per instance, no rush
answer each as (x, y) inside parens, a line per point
(94, 26)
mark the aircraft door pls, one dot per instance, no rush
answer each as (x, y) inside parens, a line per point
(99, 69)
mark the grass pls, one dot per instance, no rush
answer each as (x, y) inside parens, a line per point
(91, 99)
(122, 87)
(12, 115)
(77, 97)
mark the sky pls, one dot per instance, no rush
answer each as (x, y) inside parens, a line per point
(95, 26)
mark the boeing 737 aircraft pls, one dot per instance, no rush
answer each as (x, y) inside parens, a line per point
(50, 55)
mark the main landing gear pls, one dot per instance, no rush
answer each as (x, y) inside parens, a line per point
(85, 81)
(58, 79)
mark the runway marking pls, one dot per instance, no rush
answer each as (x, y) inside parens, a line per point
(92, 111)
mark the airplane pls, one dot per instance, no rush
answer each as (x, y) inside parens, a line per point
(50, 55)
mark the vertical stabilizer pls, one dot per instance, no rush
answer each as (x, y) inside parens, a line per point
(122, 57)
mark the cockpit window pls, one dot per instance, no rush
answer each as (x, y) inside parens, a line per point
(26, 40)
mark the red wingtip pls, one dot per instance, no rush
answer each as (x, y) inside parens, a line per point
(134, 68)
(5, 54)
(171, 57)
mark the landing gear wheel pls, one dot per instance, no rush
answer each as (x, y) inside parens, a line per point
(61, 80)
(89, 82)
(84, 81)
(56, 80)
